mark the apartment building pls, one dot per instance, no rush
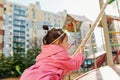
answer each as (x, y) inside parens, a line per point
(23, 26)
(1, 25)
(16, 26)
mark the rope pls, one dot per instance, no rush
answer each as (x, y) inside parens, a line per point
(84, 41)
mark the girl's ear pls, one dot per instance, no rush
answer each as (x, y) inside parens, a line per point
(57, 42)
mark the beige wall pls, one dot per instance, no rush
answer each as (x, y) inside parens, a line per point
(8, 8)
(1, 11)
(1, 1)
(38, 13)
(0, 38)
(1, 23)
(30, 13)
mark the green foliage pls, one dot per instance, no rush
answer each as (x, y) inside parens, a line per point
(19, 61)
(111, 1)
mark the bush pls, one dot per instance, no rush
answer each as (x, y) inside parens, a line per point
(20, 61)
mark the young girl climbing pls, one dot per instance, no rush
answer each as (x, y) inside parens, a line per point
(54, 62)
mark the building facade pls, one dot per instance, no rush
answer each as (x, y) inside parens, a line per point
(23, 26)
(1, 25)
(16, 26)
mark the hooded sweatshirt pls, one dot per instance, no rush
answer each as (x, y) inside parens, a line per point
(52, 64)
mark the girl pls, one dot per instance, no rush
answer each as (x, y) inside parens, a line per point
(54, 62)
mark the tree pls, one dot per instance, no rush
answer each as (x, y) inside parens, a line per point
(12, 66)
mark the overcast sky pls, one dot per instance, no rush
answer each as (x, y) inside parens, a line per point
(88, 8)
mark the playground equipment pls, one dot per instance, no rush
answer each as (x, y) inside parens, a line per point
(102, 73)
(110, 72)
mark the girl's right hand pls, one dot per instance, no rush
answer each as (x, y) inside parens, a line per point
(80, 50)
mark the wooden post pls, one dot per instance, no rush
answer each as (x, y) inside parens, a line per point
(106, 36)
(95, 64)
(75, 34)
(84, 41)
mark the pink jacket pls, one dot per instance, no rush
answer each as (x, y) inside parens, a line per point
(52, 64)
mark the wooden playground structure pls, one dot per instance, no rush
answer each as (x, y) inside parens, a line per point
(109, 57)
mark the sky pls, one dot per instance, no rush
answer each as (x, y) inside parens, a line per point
(88, 8)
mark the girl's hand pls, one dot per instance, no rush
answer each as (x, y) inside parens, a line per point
(81, 50)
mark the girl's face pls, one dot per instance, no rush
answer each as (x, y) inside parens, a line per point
(65, 43)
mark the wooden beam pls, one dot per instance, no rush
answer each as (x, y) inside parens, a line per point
(106, 36)
(113, 32)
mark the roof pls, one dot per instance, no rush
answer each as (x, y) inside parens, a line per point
(80, 18)
(111, 18)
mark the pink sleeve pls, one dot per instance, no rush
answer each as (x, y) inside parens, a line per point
(78, 58)
(69, 63)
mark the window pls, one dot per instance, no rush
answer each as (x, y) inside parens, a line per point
(27, 29)
(10, 22)
(27, 35)
(17, 28)
(14, 45)
(9, 45)
(16, 12)
(11, 5)
(27, 46)
(16, 33)
(10, 16)
(27, 40)
(16, 21)
(22, 28)
(26, 24)
(22, 12)
(22, 22)
(10, 27)
(10, 33)
(22, 34)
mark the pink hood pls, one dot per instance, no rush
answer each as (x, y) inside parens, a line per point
(48, 50)
(52, 64)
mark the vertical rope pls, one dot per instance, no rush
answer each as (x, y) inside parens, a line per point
(82, 45)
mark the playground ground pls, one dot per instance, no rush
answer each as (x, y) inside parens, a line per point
(71, 77)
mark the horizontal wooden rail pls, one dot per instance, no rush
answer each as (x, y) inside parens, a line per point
(114, 32)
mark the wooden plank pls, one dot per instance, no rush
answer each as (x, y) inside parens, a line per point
(96, 55)
(115, 39)
(106, 36)
(103, 73)
(114, 32)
